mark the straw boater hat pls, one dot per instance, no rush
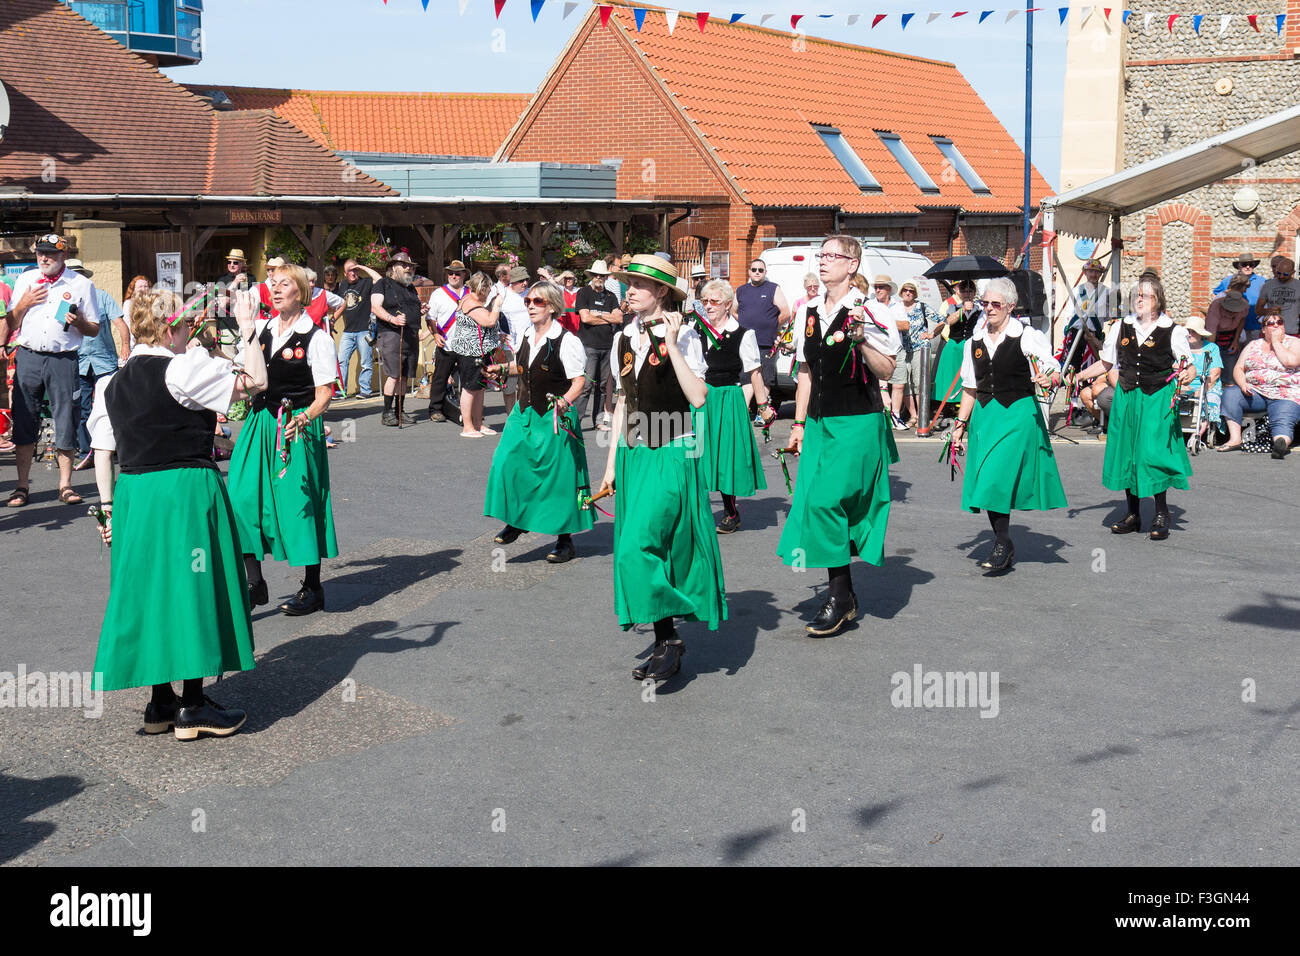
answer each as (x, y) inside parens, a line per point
(654, 268)
(598, 268)
(274, 262)
(76, 265)
(236, 254)
(883, 279)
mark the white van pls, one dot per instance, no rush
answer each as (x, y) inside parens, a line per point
(787, 265)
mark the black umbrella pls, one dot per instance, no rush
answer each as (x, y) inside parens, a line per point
(956, 268)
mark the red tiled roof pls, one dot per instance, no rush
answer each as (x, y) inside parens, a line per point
(754, 100)
(432, 124)
(88, 116)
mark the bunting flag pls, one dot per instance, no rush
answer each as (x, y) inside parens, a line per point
(500, 5)
(1064, 12)
(1196, 23)
(765, 17)
(960, 13)
(794, 21)
(1011, 15)
(1281, 19)
(569, 8)
(605, 11)
(1106, 11)
(1146, 22)
(877, 18)
(424, 2)
(701, 19)
(932, 17)
(1223, 23)
(735, 17)
(463, 5)
(638, 14)
(984, 15)
(1123, 17)
(1253, 20)
(537, 8)
(853, 18)
(1171, 21)
(1084, 15)
(906, 18)
(671, 17)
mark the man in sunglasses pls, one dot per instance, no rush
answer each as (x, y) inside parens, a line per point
(55, 308)
(762, 306)
(1281, 293)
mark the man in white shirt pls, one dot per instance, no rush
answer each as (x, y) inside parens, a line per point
(1093, 312)
(515, 314)
(55, 307)
(443, 303)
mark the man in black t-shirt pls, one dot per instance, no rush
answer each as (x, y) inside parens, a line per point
(600, 316)
(397, 306)
(355, 289)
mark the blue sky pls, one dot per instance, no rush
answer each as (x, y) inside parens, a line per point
(367, 45)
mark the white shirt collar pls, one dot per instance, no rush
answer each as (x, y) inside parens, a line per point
(1163, 321)
(553, 332)
(152, 350)
(1013, 329)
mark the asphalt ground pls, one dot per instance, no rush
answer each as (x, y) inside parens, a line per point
(459, 703)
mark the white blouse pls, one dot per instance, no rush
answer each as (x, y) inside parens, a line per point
(1032, 344)
(321, 354)
(749, 355)
(195, 379)
(688, 341)
(886, 341)
(572, 355)
(1178, 341)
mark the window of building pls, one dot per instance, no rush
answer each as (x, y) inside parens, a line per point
(958, 162)
(850, 160)
(109, 17)
(154, 16)
(905, 159)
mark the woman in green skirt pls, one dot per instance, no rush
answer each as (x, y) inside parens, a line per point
(960, 326)
(666, 559)
(841, 434)
(725, 431)
(176, 606)
(1010, 464)
(279, 474)
(1145, 451)
(539, 470)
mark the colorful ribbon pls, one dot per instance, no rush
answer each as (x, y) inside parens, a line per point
(199, 298)
(281, 445)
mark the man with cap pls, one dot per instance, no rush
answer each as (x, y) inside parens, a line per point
(355, 289)
(1092, 314)
(1281, 293)
(54, 309)
(599, 313)
(396, 305)
(1245, 264)
(442, 316)
(762, 306)
(96, 358)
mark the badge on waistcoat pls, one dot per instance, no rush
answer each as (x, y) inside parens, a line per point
(287, 354)
(299, 352)
(1124, 341)
(663, 350)
(654, 359)
(628, 361)
(979, 353)
(67, 295)
(1149, 343)
(811, 328)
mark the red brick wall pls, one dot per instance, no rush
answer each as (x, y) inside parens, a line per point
(605, 106)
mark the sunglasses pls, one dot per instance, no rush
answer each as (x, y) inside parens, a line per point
(758, 270)
(989, 304)
(1273, 322)
(535, 300)
(713, 302)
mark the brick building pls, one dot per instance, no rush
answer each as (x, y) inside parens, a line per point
(771, 134)
(1142, 93)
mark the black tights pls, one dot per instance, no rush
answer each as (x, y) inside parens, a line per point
(729, 505)
(191, 693)
(1135, 503)
(253, 571)
(1001, 524)
(841, 582)
(663, 630)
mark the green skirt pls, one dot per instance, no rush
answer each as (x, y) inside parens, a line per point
(728, 449)
(1145, 453)
(178, 598)
(289, 518)
(946, 370)
(537, 475)
(841, 494)
(666, 558)
(1009, 462)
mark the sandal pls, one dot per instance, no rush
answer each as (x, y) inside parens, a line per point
(70, 497)
(19, 498)
(1223, 448)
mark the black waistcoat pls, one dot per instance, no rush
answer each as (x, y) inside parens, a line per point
(842, 384)
(544, 376)
(1145, 365)
(288, 371)
(961, 330)
(723, 360)
(1005, 375)
(153, 431)
(654, 393)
